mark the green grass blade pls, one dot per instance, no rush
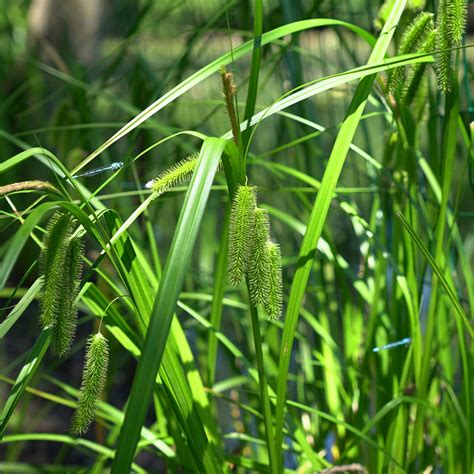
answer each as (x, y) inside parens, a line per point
(20, 307)
(19, 240)
(24, 155)
(254, 72)
(321, 85)
(26, 468)
(165, 303)
(79, 443)
(450, 291)
(189, 406)
(319, 214)
(32, 363)
(217, 297)
(215, 66)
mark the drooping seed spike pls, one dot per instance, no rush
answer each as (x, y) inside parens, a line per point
(52, 260)
(457, 16)
(416, 32)
(259, 261)
(412, 88)
(93, 381)
(443, 43)
(450, 26)
(413, 38)
(273, 303)
(64, 328)
(240, 231)
(174, 175)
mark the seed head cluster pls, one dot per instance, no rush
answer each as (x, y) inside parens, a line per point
(252, 254)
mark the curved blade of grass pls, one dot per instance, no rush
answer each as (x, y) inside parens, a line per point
(359, 151)
(217, 299)
(20, 307)
(318, 217)
(104, 410)
(254, 72)
(450, 291)
(197, 394)
(32, 363)
(321, 85)
(189, 406)
(50, 161)
(24, 155)
(70, 441)
(19, 240)
(163, 309)
(26, 468)
(213, 67)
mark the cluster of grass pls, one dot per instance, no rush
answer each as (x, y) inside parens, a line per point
(367, 198)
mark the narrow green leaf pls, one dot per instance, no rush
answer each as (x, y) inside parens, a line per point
(163, 309)
(20, 307)
(319, 213)
(254, 71)
(79, 443)
(213, 67)
(450, 291)
(32, 363)
(19, 240)
(217, 299)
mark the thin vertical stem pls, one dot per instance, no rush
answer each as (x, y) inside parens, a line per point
(263, 387)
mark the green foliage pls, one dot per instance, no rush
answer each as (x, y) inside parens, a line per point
(375, 225)
(240, 233)
(93, 380)
(259, 261)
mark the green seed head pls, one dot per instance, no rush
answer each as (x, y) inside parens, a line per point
(174, 175)
(412, 41)
(273, 303)
(52, 261)
(93, 381)
(64, 328)
(259, 261)
(60, 267)
(240, 232)
(414, 89)
(457, 16)
(450, 26)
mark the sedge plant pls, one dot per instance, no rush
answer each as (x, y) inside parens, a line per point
(307, 310)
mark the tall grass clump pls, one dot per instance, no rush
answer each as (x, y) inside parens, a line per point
(308, 309)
